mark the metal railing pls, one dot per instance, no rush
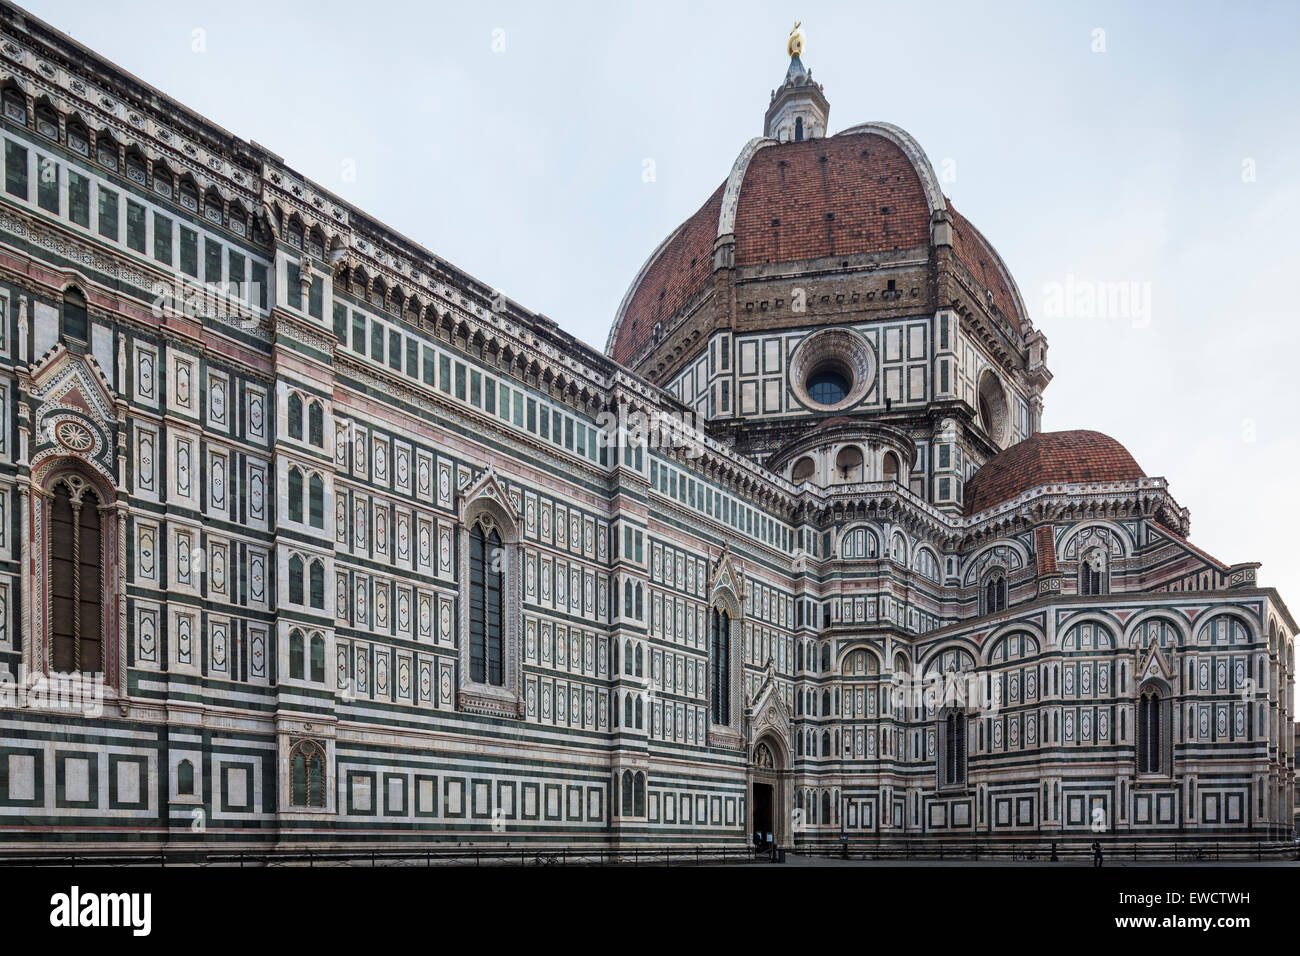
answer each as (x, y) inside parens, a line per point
(410, 857)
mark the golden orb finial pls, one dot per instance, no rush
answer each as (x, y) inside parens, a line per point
(794, 46)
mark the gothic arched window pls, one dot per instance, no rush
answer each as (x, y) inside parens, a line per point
(307, 773)
(485, 607)
(295, 655)
(798, 129)
(1151, 729)
(185, 777)
(317, 584)
(295, 494)
(295, 579)
(315, 502)
(76, 579)
(952, 749)
(1094, 574)
(720, 662)
(295, 416)
(318, 658)
(316, 425)
(995, 594)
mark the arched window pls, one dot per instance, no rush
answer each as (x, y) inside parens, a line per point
(826, 807)
(826, 658)
(804, 469)
(76, 584)
(295, 655)
(78, 137)
(628, 721)
(486, 657)
(106, 151)
(316, 424)
(826, 743)
(307, 772)
(848, 464)
(47, 123)
(720, 663)
(640, 661)
(185, 778)
(639, 801)
(15, 105)
(75, 324)
(798, 129)
(1152, 725)
(295, 579)
(995, 594)
(1094, 573)
(295, 494)
(315, 502)
(640, 715)
(318, 658)
(295, 416)
(317, 591)
(952, 748)
(890, 469)
(627, 793)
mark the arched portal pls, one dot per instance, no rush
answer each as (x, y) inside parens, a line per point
(769, 791)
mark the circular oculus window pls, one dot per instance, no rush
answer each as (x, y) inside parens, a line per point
(832, 369)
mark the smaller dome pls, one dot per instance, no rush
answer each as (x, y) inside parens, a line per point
(1049, 458)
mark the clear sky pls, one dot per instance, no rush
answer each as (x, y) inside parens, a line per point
(1159, 155)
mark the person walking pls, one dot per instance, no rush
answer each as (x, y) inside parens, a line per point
(1096, 853)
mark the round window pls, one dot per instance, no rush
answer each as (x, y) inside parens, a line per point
(832, 369)
(828, 384)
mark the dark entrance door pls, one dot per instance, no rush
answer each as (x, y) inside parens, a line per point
(762, 816)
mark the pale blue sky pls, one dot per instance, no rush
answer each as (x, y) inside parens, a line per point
(524, 166)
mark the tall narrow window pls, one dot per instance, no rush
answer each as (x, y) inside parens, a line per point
(185, 777)
(719, 658)
(995, 594)
(307, 766)
(1094, 577)
(295, 416)
(1149, 730)
(295, 579)
(295, 495)
(315, 501)
(952, 753)
(485, 607)
(76, 325)
(318, 659)
(316, 425)
(76, 585)
(318, 584)
(295, 655)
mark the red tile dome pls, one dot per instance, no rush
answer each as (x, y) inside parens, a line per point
(867, 190)
(1048, 458)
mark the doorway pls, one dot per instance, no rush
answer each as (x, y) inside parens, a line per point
(762, 817)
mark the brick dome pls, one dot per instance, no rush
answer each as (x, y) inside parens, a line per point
(868, 190)
(1049, 458)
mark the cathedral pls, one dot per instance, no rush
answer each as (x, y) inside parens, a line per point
(309, 539)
